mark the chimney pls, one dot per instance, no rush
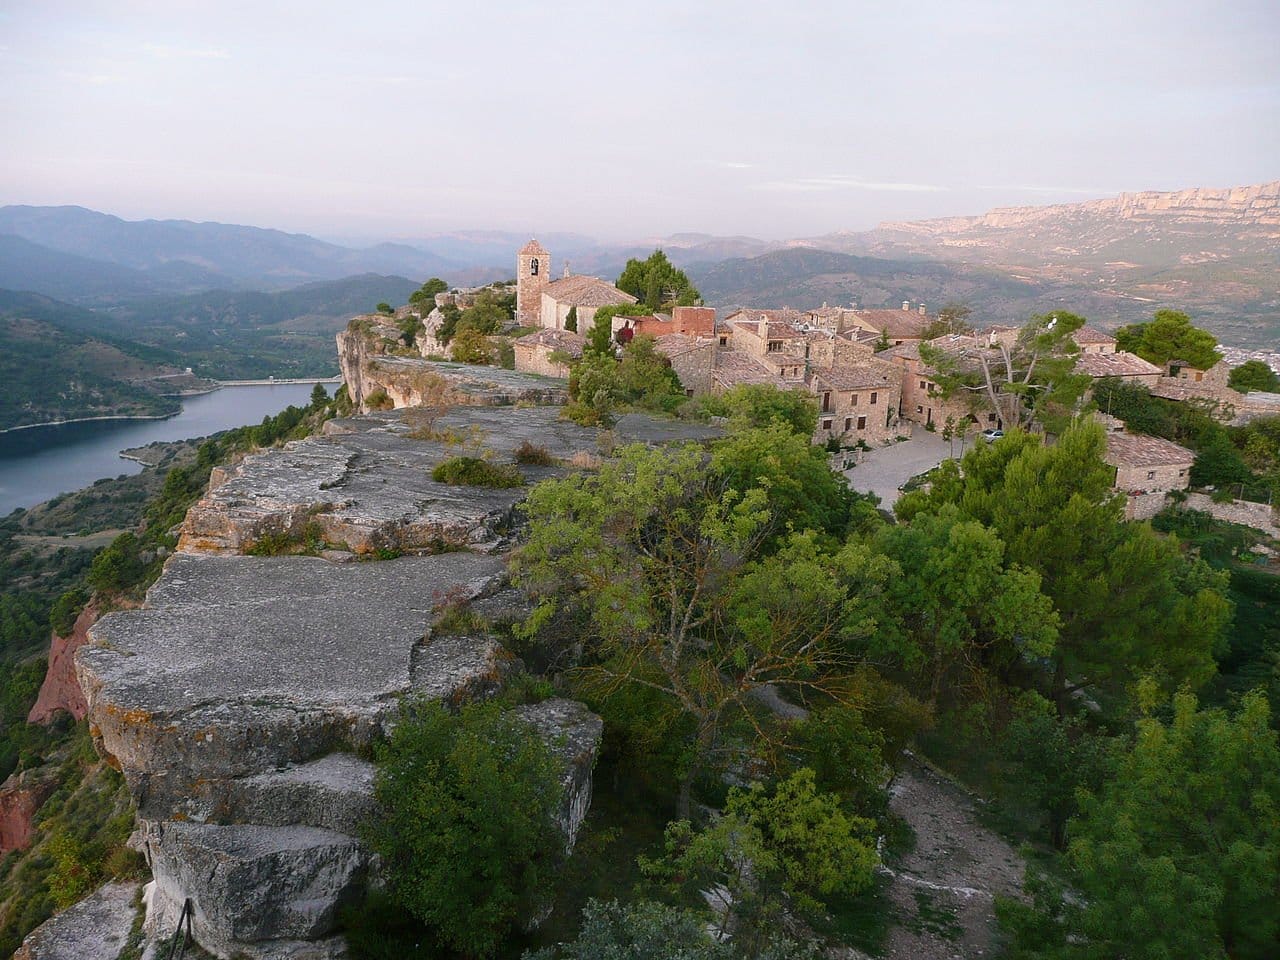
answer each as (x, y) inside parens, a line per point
(906, 304)
(922, 311)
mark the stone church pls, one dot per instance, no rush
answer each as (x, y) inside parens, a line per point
(543, 302)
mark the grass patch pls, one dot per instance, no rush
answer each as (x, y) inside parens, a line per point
(861, 922)
(477, 472)
(931, 918)
(306, 540)
(532, 455)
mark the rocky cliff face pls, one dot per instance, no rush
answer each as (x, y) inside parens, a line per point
(1244, 208)
(240, 700)
(20, 797)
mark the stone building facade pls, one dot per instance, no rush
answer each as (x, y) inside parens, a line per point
(533, 273)
(534, 352)
(1148, 464)
(857, 402)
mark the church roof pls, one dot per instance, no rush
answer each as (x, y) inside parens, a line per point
(579, 291)
(533, 249)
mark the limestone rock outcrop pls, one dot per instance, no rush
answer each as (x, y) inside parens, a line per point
(96, 928)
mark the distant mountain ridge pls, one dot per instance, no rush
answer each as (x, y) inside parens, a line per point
(184, 256)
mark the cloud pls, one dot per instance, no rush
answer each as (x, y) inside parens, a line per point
(93, 79)
(811, 184)
(734, 164)
(164, 51)
(1027, 188)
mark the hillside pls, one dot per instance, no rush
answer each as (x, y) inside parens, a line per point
(54, 370)
(1214, 253)
(239, 334)
(184, 256)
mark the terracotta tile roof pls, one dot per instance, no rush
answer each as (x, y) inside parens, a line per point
(786, 316)
(1119, 364)
(1087, 334)
(580, 291)
(862, 376)
(533, 249)
(565, 341)
(734, 367)
(1132, 450)
(901, 324)
(675, 344)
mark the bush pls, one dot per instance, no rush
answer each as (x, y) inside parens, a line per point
(532, 455)
(477, 472)
(378, 400)
(467, 834)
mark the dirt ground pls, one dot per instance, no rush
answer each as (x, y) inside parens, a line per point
(944, 890)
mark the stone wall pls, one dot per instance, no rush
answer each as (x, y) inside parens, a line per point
(1259, 516)
(1156, 478)
(536, 358)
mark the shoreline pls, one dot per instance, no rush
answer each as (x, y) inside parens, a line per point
(166, 416)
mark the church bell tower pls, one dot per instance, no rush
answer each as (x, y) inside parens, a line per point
(533, 273)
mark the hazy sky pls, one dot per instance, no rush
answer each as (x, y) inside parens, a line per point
(775, 119)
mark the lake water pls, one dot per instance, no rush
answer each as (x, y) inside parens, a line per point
(42, 462)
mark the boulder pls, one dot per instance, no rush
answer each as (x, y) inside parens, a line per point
(458, 670)
(574, 733)
(249, 883)
(96, 928)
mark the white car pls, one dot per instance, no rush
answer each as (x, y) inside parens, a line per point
(991, 436)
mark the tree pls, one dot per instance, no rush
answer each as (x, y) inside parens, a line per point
(657, 284)
(571, 320)
(427, 292)
(644, 930)
(1029, 378)
(952, 318)
(1254, 375)
(319, 397)
(758, 405)
(771, 848)
(470, 346)
(953, 602)
(658, 561)
(1179, 855)
(1167, 336)
(486, 315)
(600, 337)
(467, 830)
(1130, 602)
(385, 308)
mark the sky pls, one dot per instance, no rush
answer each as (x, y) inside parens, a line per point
(771, 119)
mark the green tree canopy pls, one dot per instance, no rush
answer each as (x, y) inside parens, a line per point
(1169, 335)
(1179, 855)
(758, 405)
(571, 320)
(657, 284)
(1130, 602)
(600, 336)
(467, 831)
(427, 292)
(1254, 375)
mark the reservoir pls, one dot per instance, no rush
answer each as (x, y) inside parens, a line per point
(41, 462)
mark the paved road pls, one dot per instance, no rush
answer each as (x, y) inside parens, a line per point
(885, 469)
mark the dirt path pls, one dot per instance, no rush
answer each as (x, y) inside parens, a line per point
(944, 890)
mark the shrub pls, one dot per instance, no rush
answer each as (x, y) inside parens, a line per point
(467, 833)
(532, 455)
(378, 400)
(476, 472)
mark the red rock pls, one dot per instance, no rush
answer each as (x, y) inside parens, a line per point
(60, 690)
(20, 797)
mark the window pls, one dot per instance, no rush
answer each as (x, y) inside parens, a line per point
(533, 267)
(826, 424)
(1182, 473)
(862, 423)
(873, 397)
(826, 402)
(924, 385)
(1151, 474)
(724, 341)
(1199, 376)
(919, 409)
(853, 399)
(775, 346)
(848, 423)
(991, 418)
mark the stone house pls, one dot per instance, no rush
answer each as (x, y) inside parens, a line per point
(692, 359)
(921, 400)
(1091, 340)
(1148, 464)
(857, 402)
(685, 321)
(543, 302)
(534, 352)
(761, 338)
(1128, 367)
(896, 326)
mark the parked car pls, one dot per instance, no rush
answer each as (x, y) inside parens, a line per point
(991, 436)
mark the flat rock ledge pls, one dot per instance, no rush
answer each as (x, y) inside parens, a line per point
(365, 484)
(96, 928)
